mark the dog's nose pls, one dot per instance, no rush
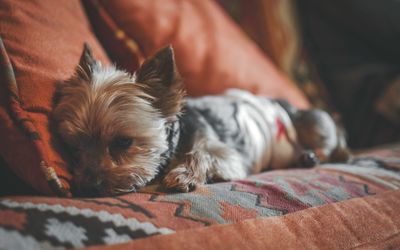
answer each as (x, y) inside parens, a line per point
(91, 184)
(91, 188)
(89, 191)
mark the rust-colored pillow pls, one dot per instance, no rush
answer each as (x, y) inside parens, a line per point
(212, 53)
(41, 42)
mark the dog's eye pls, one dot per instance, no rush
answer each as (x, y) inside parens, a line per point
(122, 142)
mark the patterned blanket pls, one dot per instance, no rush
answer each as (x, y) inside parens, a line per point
(58, 223)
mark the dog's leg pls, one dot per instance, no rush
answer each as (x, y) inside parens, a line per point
(209, 159)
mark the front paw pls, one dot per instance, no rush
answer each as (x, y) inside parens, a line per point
(181, 179)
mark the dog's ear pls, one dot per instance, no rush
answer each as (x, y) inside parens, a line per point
(83, 73)
(86, 63)
(160, 79)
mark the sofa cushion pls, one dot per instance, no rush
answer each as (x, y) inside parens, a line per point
(64, 222)
(275, 27)
(212, 53)
(41, 42)
(362, 223)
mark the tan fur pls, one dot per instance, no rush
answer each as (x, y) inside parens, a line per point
(98, 105)
(209, 159)
(117, 124)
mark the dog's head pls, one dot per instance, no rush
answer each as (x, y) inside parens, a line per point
(319, 131)
(115, 122)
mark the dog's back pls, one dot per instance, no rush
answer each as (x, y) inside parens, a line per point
(258, 128)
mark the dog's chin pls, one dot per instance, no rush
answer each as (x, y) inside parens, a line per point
(87, 190)
(112, 184)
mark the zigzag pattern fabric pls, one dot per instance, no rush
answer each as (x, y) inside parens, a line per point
(58, 223)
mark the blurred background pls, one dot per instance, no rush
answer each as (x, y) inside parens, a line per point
(344, 55)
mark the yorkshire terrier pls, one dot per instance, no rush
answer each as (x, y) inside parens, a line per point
(126, 130)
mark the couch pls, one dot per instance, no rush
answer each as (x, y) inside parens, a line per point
(331, 206)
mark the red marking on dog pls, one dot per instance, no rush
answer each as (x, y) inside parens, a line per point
(281, 131)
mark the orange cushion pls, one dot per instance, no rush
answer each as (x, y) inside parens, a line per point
(41, 42)
(212, 53)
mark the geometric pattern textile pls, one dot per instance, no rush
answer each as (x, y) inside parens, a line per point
(28, 222)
